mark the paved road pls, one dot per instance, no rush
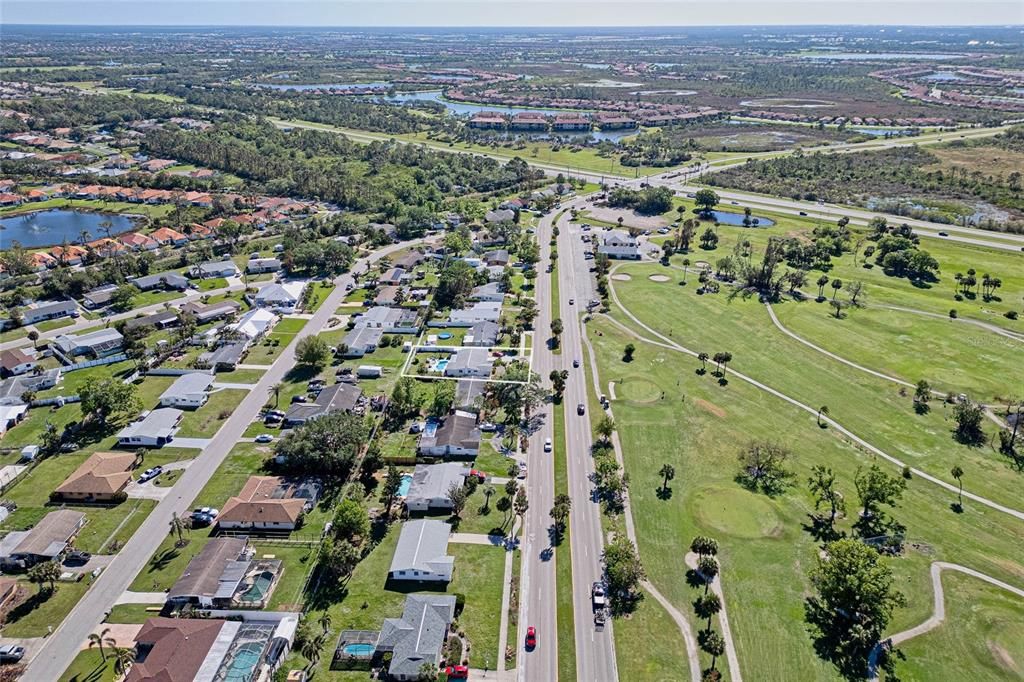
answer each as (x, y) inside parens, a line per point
(595, 649)
(62, 646)
(537, 605)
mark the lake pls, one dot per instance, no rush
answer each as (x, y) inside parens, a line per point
(730, 218)
(54, 226)
(460, 108)
(881, 56)
(325, 86)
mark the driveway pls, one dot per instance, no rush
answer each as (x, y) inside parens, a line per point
(197, 443)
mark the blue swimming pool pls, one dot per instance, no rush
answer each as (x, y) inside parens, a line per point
(431, 428)
(359, 649)
(441, 364)
(444, 335)
(403, 490)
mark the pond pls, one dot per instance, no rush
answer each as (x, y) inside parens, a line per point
(881, 56)
(54, 226)
(730, 218)
(460, 108)
(596, 135)
(326, 86)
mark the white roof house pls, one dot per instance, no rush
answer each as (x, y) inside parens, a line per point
(483, 311)
(188, 390)
(255, 323)
(98, 343)
(430, 484)
(422, 552)
(617, 244)
(492, 291)
(284, 297)
(388, 320)
(470, 362)
(154, 430)
(362, 340)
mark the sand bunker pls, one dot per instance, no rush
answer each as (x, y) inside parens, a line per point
(621, 278)
(658, 278)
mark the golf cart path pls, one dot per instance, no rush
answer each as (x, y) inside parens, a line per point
(938, 616)
(723, 621)
(665, 342)
(692, 650)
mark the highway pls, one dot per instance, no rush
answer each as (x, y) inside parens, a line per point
(537, 605)
(60, 648)
(595, 649)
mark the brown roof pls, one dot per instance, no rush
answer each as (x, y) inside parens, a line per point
(202, 576)
(104, 473)
(51, 533)
(9, 359)
(256, 504)
(173, 649)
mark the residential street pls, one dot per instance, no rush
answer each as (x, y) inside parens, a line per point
(62, 646)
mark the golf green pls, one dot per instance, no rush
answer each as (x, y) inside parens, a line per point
(736, 512)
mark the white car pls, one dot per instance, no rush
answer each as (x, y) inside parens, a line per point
(547, 445)
(264, 438)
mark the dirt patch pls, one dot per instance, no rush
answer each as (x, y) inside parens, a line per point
(658, 278)
(709, 407)
(702, 264)
(1003, 657)
(621, 277)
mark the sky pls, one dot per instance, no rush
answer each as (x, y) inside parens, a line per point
(520, 13)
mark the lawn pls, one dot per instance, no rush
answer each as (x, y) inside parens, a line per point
(319, 293)
(479, 574)
(297, 562)
(133, 613)
(565, 616)
(241, 376)
(211, 284)
(147, 210)
(207, 420)
(870, 407)
(89, 666)
(43, 609)
(699, 427)
(48, 325)
(268, 349)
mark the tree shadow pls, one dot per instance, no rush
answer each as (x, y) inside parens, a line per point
(956, 507)
(29, 605)
(664, 492)
(820, 529)
(163, 560)
(694, 579)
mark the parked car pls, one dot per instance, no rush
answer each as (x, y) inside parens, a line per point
(77, 557)
(299, 399)
(522, 471)
(150, 474)
(264, 438)
(477, 474)
(205, 516)
(547, 445)
(531, 637)
(457, 672)
(488, 427)
(11, 653)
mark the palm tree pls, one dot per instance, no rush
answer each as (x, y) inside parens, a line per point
(823, 410)
(667, 473)
(179, 525)
(99, 639)
(957, 472)
(686, 264)
(276, 390)
(84, 237)
(123, 660)
(837, 284)
(325, 621)
(703, 357)
(706, 606)
(488, 494)
(713, 645)
(822, 281)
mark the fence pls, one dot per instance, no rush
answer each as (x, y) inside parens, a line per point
(109, 360)
(171, 372)
(57, 400)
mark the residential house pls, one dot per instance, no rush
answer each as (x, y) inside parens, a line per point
(386, 296)
(529, 120)
(361, 340)
(571, 122)
(204, 313)
(388, 320)
(481, 311)
(41, 261)
(422, 552)
(165, 236)
(101, 478)
(269, 503)
(13, 388)
(49, 311)
(188, 391)
(189, 649)
(483, 334)
(211, 269)
(469, 395)
(395, 277)
(68, 255)
(492, 291)
(160, 280)
(498, 257)
(161, 320)
(225, 357)
(97, 344)
(257, 266)
(154, 430)
(284, 297)
(98, 297)
(456, 435)
(139, 242)
(255, 323)
(225, 574)
(14, 362)
(617, 244)
(488, 120)
(410, 260)
(470, 362)
(331, 399)
(428, 491)
(47, 540)
(418, 637)
(502, 215)
(11, 415)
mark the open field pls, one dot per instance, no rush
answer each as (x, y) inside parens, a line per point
(699, 427)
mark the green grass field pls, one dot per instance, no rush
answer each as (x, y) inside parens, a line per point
(699, 427)
(205, 421)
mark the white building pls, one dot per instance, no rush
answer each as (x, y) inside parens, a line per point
(421, 554)
(155, 430)
(284, 297)
(255, 323)
(616, 244)
(470, 362)
(188, 391)
(482, 311)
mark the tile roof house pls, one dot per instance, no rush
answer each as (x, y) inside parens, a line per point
(165, 235)
(418, 636)
(268, 503)
(188, 391)
(139, 242)
(155, 430)
(101, 478)
(430, 484)
(422, 552)
(470, 362)
(456, 435)
(336, 398)
(45, 541)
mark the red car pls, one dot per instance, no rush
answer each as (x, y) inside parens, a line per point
(531, 637)
(457, 672)
(480, 475)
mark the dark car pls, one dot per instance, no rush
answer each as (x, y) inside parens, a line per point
(580, 409)
(803, 212)
(77, 557)
(531, 637)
